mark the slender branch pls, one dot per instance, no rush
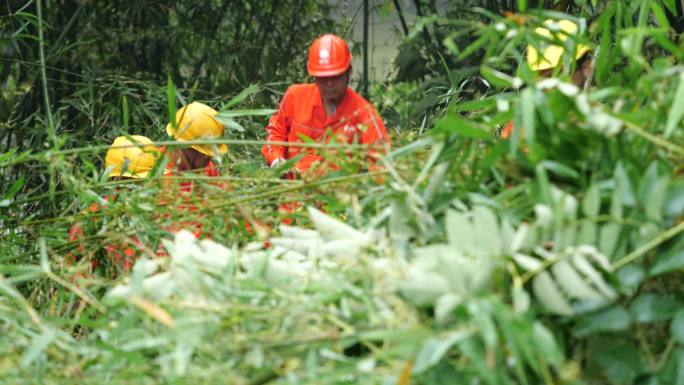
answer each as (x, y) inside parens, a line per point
(43, 75)
(664, 236)
(658, 141)
(401, 17)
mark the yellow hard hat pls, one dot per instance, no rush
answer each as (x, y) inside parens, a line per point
(133, 156)
(551, 54)
(196, 121)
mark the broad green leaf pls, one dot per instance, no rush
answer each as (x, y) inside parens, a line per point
(460, 233)
(674, 201)
(424, 287)
(482, 317)
(547, 345)
(399, 227)
(547, 293)
(587, 234)
(527, 262)
(656, 198)
(528, 118)
(591, 203)
(572, 283)
(677, 327)
(230, 123)
(434, 349)
(445, 304)
(614, 319)
(521, 299)
(674, 117)
(453, 123)
(487, 235)
(498, 78)
(622, 363)
(659, 15)
(38, 346)
(669, 261)
(477, 104)
(650, 307)
(475, 45)
(609, 235)
(585, 267)
(14, 189)
(560, 169)
(543, 185)
(631, 276)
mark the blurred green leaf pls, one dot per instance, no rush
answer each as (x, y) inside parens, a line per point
(434, 349)
(650, 307)
(614, 319)
(244, 94)
(248, 112)
(666, 262)
(171, 102)
(677, 326)
(674, 117)
(454, 124)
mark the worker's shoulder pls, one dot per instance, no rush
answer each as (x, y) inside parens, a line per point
(301, 89)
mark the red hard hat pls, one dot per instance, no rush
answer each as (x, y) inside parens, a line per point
(329, 55)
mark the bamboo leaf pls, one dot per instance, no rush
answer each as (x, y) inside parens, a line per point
(674, 117)
(38, 346)
(591, 203)
(248, 112)
(572, 283)
(454, 124)
(486, 229)
(171, 102)
(244, 94)
(528, 118)
(547, 293)
(585, 267)
(460, 233)
(434, 349)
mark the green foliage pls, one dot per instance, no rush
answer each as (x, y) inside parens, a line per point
(554, 256)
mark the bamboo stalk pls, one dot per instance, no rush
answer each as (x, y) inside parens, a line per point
(43, 75)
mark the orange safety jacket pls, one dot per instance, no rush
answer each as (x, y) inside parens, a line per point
(301, 114)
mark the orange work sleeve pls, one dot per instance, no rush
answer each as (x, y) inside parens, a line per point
(277, 131)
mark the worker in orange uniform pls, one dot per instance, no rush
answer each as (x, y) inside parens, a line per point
(195, 121)
(325, 111)
(129, 157)
(548, 59)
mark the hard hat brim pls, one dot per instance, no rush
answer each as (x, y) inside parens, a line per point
(138, 175)
(205, 149)
(328, 73)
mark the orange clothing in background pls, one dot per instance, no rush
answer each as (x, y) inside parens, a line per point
(301, 114)
(119, 255)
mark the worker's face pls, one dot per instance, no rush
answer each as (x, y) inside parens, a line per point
(332, 88)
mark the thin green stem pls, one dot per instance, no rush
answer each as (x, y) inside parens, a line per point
(658, 141)
(664, 236)
(43, 75)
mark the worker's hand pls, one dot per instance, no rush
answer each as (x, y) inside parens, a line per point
(277, 162)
